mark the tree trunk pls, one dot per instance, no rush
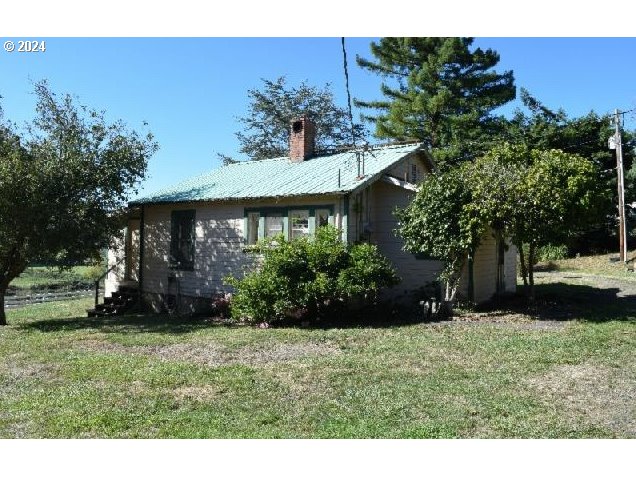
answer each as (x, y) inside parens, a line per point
(12, 268)
(3, 316)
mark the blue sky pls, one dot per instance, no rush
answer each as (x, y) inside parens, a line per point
(190, 90)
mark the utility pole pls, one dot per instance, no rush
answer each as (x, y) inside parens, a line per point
(622, 228)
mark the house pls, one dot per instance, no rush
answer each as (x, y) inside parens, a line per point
(182, 241)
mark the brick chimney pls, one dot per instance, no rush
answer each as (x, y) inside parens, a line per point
(301, 139)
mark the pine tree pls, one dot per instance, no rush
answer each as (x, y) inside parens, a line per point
(439, 92)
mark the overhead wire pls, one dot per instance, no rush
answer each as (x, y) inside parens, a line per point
(346, 74)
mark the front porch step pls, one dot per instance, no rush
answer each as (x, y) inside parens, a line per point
(125, 299)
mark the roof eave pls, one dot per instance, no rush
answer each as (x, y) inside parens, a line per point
(235, 199)
(378, 175)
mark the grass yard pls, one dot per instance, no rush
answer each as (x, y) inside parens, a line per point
(568, 373)
(45, 278)
(600, 265)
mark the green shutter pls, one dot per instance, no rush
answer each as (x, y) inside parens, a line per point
(182, 237)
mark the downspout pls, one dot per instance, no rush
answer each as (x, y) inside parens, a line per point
(140, 274)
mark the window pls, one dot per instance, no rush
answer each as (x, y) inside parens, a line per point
(413, 173)
(299, 223)
(322, 217)
(273, 224)
(291, 222)
(253, 221)
(182, 238)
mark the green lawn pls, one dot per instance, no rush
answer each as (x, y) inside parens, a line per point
(41, 278)
(491, 375)
(602, 265)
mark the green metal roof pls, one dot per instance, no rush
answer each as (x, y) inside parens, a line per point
(281, 178)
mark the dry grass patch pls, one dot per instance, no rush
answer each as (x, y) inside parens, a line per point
(214, 354)
(303, 381)
(29, 370)
(592, 393)
(199, 394)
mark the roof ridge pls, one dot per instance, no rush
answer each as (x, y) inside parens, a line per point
(254, 161)
(334, 173)
(331, 152)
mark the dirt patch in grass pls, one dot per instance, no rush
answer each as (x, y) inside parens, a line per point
(303, 382)
(203, 393)
(214, 354)
(508, 320)
(592, 393)
(15, 377)
(17, 371)
(502, 319)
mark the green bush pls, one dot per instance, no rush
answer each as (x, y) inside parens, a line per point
(552, 252)
(93, 272)
(546, 253)
(305, 277)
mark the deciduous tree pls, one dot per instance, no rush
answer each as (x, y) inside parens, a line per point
(441, 222)
(532, 196)
(535, 197)
(63, 183)
(539, 127)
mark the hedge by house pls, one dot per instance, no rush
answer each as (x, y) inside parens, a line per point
(305, 277)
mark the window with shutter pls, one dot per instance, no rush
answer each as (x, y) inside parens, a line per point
(182, 239)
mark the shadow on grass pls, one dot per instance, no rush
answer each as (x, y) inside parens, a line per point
(554, 301)
(138, 323)
(381, 316)
(563, 301)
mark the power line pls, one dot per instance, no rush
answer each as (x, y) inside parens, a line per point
(346, 73)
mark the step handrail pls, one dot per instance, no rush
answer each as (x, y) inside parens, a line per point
(102, 276)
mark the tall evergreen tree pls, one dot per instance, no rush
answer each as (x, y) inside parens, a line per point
(439, 91)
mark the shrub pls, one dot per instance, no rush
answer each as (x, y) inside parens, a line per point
(93, 273)
(304, 277)
(548, 253)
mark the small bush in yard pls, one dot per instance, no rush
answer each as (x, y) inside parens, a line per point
(304, 277)
(547, 253)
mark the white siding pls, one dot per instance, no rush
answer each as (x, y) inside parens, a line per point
(485, 270)
(218, 250)
(510, 268)
(115, 276)
(132, 258)
(415, 273)
(403, 169)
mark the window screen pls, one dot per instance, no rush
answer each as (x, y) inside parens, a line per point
(253, 219)
(273, 224)
(299, 223)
